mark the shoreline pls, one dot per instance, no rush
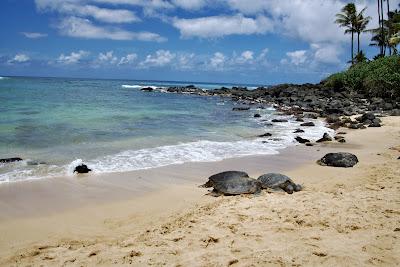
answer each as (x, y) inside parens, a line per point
(93, 227)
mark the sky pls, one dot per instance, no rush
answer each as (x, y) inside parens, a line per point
(233, 41)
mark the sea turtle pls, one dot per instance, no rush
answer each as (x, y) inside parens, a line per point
(232, 183)
(223, 177)
(277, 181)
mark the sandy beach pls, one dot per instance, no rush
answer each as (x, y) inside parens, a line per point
(343, 217)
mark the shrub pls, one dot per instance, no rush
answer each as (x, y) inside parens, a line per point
(377, 78)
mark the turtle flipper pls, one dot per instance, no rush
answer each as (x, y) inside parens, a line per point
(215, 193)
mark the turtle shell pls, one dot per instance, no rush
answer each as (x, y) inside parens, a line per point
(274, 180)
(237, 186)
(224, 177)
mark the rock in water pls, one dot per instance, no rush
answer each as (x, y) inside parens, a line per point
(279, 120)
(82, 169)
(307, 124)
(277, 181)
(240, 108)
(147, 89)
(265, 135)
(302, 140)
(341, 159)
(257, 115)
(325, 138)
(9, 160)
(298, 131)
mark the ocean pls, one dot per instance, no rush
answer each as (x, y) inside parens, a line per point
(54, 124)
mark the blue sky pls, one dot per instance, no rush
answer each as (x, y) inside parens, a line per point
(246, 41)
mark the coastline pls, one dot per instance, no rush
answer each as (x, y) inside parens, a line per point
(101, 216)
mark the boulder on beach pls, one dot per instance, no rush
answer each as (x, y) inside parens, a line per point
(9, 160)
(82, 169)
(340, 159)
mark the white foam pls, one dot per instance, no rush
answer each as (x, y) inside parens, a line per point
(132, 86)
(135, 86)
(200, 151)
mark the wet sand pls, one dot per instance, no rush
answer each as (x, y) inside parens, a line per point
(160, 216)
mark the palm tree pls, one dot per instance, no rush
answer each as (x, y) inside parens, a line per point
(360, 25)
(346, 20)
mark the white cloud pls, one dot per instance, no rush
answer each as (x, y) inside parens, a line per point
(246, 57)
(19, 58)
(108, 57)
(309, 20)
(186, 61)
(128, 59)
(73, 58)
(84, 28)
(79, 8)
(218, 26)
(297, 57)
(159, 59)
(157, 4)
(34, 35)
(326, 53)
(191, 4)
(263, 53)
(218, 61)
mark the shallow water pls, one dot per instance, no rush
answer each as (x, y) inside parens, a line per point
(113, 126)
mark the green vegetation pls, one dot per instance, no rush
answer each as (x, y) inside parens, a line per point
(381, 76)
(377, 78)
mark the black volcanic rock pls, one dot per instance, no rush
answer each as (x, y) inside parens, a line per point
(302, 140)
(82, 169)
(308, 124)
(341, 159)
(9, 160)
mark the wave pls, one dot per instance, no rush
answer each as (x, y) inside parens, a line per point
(3, 78)
(135, 86)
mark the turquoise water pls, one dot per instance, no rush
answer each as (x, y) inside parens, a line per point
(113, 126)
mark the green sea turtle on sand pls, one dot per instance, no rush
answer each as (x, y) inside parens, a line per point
(232, 183)
(278, 182)
(224, 177)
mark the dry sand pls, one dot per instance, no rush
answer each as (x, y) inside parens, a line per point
(344, 217)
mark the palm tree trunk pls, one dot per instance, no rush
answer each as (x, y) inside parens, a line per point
(379, 14)
(358, 43)
(383, 34)
(352, 48)
(389, 33)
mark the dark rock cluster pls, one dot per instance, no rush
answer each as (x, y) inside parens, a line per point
(315, 100)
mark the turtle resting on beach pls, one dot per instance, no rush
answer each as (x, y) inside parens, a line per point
(223, 177)
(232, 183)
(279, 182)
